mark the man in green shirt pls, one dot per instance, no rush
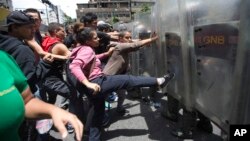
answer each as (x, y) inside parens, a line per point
(12, 84)
(17, 101)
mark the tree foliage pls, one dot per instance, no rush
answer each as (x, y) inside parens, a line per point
(68, 19)
(145, 8)
(115, 19)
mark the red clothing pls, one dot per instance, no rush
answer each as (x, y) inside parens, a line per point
(48, 42)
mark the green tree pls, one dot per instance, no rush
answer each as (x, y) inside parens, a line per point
(68, 19)
(145, 8)
(115, 19)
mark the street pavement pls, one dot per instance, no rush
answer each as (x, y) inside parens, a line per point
(143, 123)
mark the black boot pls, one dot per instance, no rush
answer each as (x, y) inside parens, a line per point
(204, 123)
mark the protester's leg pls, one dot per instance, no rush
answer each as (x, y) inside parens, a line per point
(96, 116)
(121, 97)
(87, 111)
(116, 82)
(95, 113)
(90, 115)
(59, 86)
(78, 91)
(48, 87)
(56, 86)
(109, 84)
(76, 105)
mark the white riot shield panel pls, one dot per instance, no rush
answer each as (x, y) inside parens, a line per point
(174, 63)
(213, 29)
(199, 42)
(241, 107)
(170, 54)
(143, 60)
(143, 31)
(215, 49)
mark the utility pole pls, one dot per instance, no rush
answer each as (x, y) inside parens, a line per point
(47, 14)
(130, 10)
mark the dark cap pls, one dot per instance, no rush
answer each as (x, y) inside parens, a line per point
(19, 17)
(101, 25)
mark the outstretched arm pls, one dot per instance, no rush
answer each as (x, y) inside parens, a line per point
(131, 47)
(35, 108)
(147, 41)
(45, 55)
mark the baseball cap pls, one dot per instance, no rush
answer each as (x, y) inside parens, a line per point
(19, 17)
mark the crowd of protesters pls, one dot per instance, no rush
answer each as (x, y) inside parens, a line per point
(94, 58)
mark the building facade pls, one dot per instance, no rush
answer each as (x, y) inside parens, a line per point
(49, 12)
(107, 9)
(5, 7)
(6, 4)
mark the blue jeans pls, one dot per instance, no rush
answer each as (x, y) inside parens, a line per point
(111, 83)
(108, 84)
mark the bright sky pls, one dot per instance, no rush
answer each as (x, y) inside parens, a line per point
(68, 6)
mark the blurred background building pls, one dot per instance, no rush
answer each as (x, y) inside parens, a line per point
(5, 7)
(49, 12)
(108, 10)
